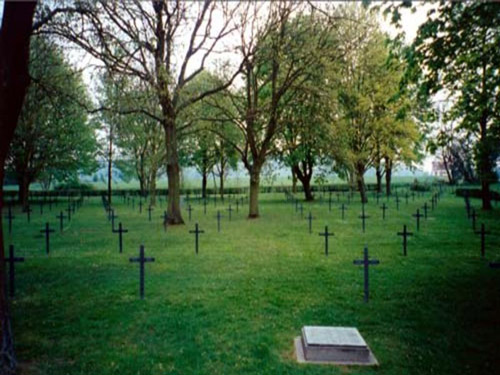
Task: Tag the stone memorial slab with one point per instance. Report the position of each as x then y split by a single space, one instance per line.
333 345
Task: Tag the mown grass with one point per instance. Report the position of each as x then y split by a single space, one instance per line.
236 307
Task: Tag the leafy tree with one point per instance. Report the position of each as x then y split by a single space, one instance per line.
53 138
456 52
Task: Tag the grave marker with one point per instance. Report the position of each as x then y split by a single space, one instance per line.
417 216
141 260
197 234
12 261
165 220
343 208
383 208
326 235
363 217
120 231
405 234
10 217
229 209
366 262
474 216
483 232
47 232
149 212
425 210
61 218
310 218
189 209
113 217
68 210
28 211
218 221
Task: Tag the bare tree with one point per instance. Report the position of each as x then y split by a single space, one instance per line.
166 44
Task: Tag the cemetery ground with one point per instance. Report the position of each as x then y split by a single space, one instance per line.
236 306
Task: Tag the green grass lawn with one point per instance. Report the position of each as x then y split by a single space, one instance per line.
236 307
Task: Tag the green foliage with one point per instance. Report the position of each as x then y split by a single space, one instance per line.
54 138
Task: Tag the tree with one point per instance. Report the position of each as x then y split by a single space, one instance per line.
54 137
139 139
456 52
15 33
277 55
165 45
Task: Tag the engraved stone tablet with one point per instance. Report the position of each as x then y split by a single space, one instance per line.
336 345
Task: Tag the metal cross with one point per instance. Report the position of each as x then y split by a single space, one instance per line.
196 232
230 210
28 211
343 208
417 216
425 210
218 221
310 218
383 208
149 212
141 259
12 260
113 217
190 209
326 235
68 210
474 216
483 232
366 262
397 200
47 232
120 231
204 206
165 220
405 234
301 211
10 217
61 218
363 217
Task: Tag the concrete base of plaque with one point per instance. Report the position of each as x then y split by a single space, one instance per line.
333 345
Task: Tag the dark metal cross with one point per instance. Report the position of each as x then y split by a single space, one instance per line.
113 217
474 216
383 208
196 232
326 235
204 206
237 205
363 217
366 262
397 200
149 212
141 259
405 234
140 207
483 232
406 198
189 209
230 210
61 218
218 221
378 197
301 211
425 210
165 220
10 217
343 208
417 216
330 203
120 231
28 211
68 210
41 208
12 260
310 218
47 232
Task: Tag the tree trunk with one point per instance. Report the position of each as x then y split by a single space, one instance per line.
221 186
173 173
378 173
15 35
204 184
484 164
305 180
152 188
254 193
388 175
24 190
451 181
294 181
110 162
360 180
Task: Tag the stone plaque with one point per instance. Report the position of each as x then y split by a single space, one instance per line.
333 345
